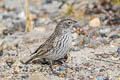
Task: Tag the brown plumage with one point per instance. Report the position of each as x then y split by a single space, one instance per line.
57 45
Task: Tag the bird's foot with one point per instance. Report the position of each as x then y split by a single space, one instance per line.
61 60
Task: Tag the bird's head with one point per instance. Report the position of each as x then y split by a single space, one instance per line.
67 25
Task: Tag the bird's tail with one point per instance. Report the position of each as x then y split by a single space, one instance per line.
27 59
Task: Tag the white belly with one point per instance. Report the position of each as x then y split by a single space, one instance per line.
62 47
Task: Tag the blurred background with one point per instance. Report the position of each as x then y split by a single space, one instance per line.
26 15
25 24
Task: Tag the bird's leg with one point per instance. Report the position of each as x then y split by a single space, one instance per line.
51 67
51 63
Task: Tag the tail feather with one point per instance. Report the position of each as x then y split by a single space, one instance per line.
27 59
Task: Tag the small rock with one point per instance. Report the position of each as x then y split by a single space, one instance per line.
105 55
1 51
101 70
26 69
94 22
103 35
22 16
118 51
72 79
48 1
24 76
8 31
20 67
78 69
114 58
114 36
92 78
105 30
68 70
99 78
107 78
5 16
61 75
62 68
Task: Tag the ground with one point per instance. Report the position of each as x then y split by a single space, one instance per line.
95 48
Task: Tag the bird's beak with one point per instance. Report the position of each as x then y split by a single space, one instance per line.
76 25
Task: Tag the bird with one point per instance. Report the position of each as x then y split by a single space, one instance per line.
58 45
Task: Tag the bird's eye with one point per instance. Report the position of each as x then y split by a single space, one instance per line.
69 22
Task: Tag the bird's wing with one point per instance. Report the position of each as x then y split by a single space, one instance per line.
44 48
48 45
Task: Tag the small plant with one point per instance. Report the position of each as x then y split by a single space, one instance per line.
28 17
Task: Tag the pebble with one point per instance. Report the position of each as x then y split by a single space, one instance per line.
8 31
20 67
114 36
62 68
26 69
106 30
101 70
77 69
1 51
24 76
48 1
103 35
95 22
5 16
100 78
118 51
22 16
107 78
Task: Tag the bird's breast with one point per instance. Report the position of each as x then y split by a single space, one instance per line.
62 45
65 40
